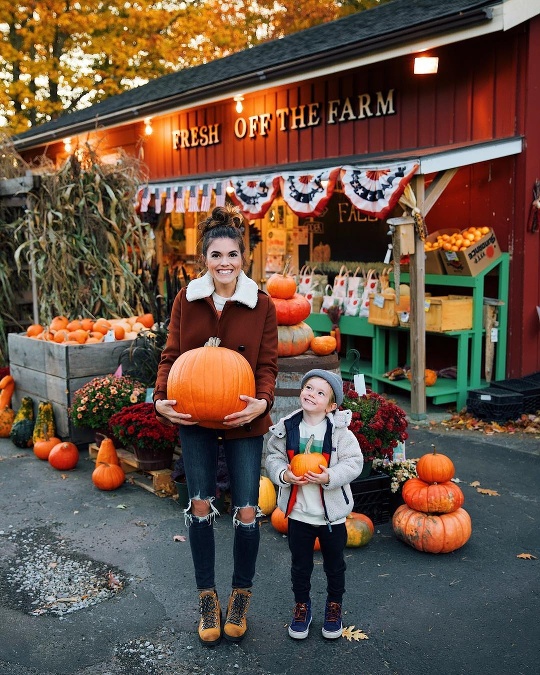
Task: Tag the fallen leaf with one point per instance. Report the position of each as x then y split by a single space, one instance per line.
63 476
140 523
526 556
456 480
485 491
350 634
113 582
475 483
121 506
179 537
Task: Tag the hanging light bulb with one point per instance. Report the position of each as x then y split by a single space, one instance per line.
67 144
239 104
148 130
426 65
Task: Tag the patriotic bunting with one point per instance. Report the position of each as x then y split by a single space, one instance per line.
193 204
220 190
169 199
206 197
145 201
255 195
308 193
376 191
180 204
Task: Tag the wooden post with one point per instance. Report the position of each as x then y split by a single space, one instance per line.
417 268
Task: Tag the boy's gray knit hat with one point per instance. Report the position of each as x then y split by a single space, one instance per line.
333 380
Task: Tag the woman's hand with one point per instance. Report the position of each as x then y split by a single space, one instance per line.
254 408
165 409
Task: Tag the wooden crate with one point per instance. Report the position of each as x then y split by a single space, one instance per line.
47 371
382 310
449 312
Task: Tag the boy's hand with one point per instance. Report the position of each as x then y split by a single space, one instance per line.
318 478
290 477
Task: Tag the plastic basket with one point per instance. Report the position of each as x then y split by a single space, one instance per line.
529 389
371 496
495 405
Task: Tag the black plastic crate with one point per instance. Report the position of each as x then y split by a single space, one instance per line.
495 405
529 389
372 496
533 377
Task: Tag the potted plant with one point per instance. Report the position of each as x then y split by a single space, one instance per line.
137 428
377 422
95 402
399 470
140 359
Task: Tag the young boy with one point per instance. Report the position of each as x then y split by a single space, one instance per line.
316 503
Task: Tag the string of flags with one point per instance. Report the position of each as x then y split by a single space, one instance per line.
372 190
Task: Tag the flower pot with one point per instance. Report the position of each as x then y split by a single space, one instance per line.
150 459
366 469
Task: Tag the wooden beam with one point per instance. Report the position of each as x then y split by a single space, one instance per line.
435 190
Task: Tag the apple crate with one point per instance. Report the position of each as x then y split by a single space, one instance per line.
449 312
382 310
371 496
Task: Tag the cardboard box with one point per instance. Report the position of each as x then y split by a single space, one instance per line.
434 264
47 371
474 259
382 310
449 312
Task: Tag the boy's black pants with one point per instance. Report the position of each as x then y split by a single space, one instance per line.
301 538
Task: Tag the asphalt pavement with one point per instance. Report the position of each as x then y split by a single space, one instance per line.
474 610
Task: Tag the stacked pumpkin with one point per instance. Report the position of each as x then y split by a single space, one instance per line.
294 334
432 519
87 331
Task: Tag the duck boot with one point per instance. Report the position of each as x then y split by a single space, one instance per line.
210 623
235 624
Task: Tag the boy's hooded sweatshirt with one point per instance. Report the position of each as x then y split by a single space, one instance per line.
342 453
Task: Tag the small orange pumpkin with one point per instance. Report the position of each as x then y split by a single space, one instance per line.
147 321
294 340
322 345
430 377
34 330
64 456
43 447
279 520
281 284
435 468
306 461
108 476
360 530
432 497
292 311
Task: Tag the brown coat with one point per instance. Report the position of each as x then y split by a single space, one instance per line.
247 324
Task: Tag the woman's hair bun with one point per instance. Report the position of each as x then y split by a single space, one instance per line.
223 216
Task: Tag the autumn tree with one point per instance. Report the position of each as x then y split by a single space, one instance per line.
57 55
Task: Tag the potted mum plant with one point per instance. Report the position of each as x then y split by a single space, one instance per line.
137 428
95 402
377 422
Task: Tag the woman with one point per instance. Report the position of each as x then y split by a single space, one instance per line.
223 303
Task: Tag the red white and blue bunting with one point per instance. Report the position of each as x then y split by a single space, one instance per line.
307 194
254 195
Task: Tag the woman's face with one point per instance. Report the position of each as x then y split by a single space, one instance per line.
224 262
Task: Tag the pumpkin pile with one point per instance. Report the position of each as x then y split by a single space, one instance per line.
432 519
108 474
87 331
294 334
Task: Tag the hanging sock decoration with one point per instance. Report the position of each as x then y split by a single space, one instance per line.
377 191
307 194
254 195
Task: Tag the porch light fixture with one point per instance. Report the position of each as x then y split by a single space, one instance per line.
239 104
426 65
148 126
67 144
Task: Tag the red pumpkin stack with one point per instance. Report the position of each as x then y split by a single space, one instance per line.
432 519
294 335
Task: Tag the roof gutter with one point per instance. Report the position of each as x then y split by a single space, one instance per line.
269 75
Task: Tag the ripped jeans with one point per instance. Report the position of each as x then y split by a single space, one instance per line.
243 456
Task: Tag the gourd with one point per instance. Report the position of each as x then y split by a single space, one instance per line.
44 426
360 530
108 476
432 533
206 383
282 284
432 498
294 340
107 453
23 424
430 377
7 415
435 468
64 456
323 345
42 448
267 495
279 520
292 311
306 461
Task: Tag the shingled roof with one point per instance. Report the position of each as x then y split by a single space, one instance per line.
362 33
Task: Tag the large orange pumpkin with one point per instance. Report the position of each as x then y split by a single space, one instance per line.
435 468
294 340
206 383
323 345
108 476
292 311
267 495
432 533
281 284
360 530
432 497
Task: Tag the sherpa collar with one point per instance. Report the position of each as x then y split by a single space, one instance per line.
246 291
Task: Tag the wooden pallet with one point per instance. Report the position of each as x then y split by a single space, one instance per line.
158 482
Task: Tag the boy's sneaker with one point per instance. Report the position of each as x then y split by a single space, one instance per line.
332 628
299 627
